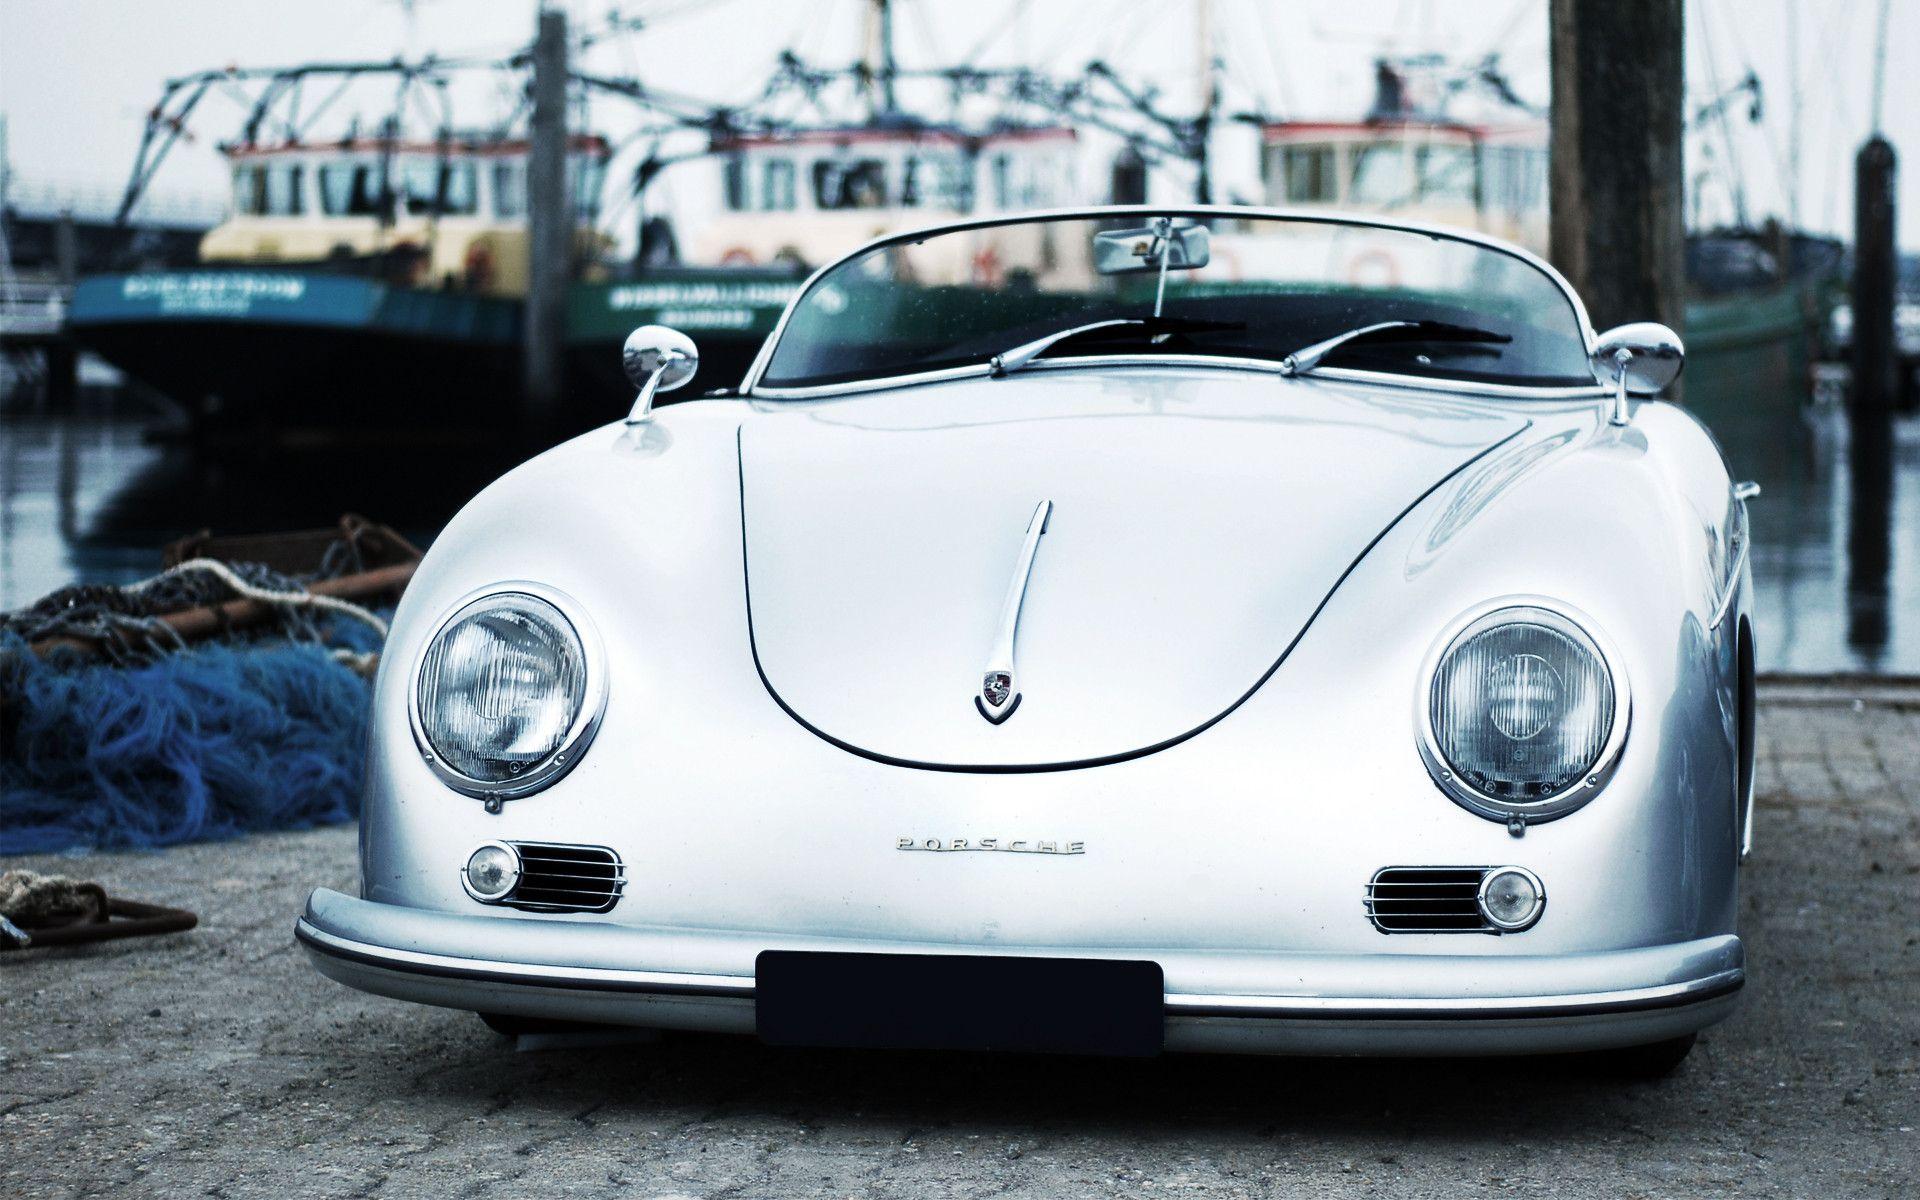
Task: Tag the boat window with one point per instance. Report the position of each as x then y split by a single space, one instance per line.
430 186
1497 176
458 190
850 183
1534 189
249 189
510 188
1516 179
1447 174
1023 182
284 184
938 180
776 185
1309 175
589 172
735 178
416 184
953 299
1378 174
350 189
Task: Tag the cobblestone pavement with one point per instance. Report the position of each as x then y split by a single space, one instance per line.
218 1063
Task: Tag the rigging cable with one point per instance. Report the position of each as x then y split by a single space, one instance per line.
1839 117
1780 172
1732 165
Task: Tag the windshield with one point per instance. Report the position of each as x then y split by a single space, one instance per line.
1269 286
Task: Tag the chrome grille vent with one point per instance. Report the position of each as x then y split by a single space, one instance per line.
1427 900
556 878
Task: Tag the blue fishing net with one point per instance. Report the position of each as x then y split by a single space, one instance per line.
206 742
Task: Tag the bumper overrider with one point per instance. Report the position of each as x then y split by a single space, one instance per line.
1258 1001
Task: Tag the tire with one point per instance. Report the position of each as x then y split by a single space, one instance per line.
1656 1060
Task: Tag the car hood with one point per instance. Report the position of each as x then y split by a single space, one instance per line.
1200 519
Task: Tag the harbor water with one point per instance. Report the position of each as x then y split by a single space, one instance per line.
90 497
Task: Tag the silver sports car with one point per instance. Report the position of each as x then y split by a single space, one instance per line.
1111 630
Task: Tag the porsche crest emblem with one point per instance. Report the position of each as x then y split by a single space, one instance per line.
996 687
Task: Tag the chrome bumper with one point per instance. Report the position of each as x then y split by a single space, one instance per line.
1389 1004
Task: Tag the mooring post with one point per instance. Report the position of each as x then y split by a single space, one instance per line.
549 231
1874 267
1871 396
1616 221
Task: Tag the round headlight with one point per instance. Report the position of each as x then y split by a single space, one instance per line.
501 698
1522 711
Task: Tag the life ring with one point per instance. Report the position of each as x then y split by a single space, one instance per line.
986 267
738 256
1377 262
477 267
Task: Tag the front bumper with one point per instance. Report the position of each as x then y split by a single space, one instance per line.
1254 1002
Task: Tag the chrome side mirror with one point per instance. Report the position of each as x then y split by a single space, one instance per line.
1638 360
657 359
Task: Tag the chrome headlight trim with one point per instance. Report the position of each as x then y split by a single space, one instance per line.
579 734
466 879
1597 773
1533 914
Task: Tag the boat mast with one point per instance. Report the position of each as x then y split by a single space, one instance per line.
1793 117
880 65
1206 99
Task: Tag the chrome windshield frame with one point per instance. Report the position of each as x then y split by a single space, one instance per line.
751 387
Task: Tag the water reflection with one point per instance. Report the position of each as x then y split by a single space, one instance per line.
1836 576
1869 460
91 498
1835 558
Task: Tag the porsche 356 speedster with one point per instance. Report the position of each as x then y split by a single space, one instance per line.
1110 630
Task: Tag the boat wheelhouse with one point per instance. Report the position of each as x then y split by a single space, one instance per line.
1491 178
806 198
449 213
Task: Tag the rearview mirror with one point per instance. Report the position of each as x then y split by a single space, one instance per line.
1638 360
1129 251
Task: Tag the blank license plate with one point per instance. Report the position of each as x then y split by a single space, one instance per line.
959 1002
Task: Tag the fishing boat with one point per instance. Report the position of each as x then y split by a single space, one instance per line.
1758 299
793 202
380 280
349 273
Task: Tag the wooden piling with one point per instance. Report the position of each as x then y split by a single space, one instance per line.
549 231
1875 266
1871 398
1616 215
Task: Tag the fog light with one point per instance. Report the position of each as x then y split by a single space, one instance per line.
492 872
1511 898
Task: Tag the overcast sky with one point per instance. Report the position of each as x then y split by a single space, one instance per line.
77 76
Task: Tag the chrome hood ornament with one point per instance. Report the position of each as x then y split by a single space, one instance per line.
999 694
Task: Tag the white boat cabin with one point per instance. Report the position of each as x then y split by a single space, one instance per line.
1488 178
808 197
447 213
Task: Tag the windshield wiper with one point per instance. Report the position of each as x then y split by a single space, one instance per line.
1307 358
1008 361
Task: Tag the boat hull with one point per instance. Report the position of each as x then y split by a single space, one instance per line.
305 349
